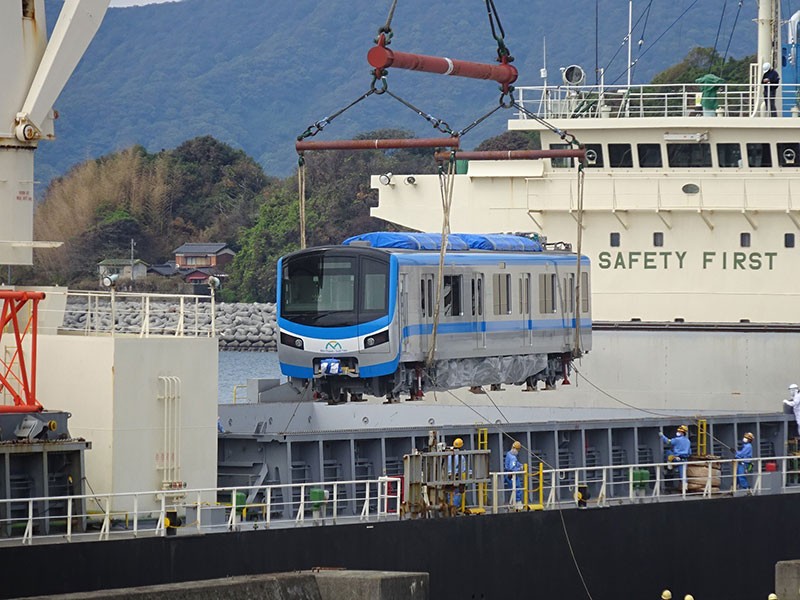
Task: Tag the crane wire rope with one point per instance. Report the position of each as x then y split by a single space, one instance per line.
577 351
658 39
446 184
301 194
711 60
541 459
733 30
640 42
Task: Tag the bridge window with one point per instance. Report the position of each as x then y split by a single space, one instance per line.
788 240
689 155
28 9
658 239
744 240
729 155
649 156
759 155
561 163
547 293
789 155
620 155
594 155
502 293
452 295
614 241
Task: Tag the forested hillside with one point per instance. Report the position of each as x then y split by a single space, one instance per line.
255 73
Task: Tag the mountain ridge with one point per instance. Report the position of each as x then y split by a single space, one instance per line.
256 74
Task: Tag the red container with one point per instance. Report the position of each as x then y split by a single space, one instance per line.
770 467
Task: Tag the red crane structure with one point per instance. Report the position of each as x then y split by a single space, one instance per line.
20 318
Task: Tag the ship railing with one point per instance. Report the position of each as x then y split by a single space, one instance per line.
93 517
655 100
94 313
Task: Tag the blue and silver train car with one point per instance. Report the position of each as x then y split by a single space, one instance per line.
359 318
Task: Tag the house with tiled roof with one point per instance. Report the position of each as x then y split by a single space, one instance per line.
124 267
214 256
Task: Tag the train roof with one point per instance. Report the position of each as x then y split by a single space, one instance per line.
497 242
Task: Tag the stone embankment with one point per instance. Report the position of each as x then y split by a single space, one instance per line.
238 326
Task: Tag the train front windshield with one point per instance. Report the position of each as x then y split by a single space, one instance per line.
324 289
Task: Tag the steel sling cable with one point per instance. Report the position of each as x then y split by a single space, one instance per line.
716 38
301 194
733 29
581 175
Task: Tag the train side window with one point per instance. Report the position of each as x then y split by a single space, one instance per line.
569 293
452 295
547 293
759 155
480 295
431 308
788 240
729 155
502 293
422 302
584 292
525 294
649 156
620 155
474 297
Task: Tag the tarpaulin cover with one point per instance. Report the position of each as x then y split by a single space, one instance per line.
408 241
499 241
465 372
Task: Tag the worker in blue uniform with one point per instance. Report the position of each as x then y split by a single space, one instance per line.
513 465
680 448
743 466
456 468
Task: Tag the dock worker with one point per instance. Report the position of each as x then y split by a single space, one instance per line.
744 466
512 465
456 467
794 402
770 79
680 446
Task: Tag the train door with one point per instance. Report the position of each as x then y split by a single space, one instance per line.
478 320
525 308
426 310
567 306
403 310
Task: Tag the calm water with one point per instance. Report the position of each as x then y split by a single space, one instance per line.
237 367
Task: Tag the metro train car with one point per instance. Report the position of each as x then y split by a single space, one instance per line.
359 318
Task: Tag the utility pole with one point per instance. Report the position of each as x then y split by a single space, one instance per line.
133 245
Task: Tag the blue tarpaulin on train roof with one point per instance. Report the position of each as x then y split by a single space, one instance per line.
409 241
499 241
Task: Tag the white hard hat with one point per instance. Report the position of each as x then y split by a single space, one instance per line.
766 67
793 386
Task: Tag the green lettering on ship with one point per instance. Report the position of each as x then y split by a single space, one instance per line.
681 259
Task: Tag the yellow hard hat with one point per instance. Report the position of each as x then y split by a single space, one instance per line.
516 445
666 595
683 429
772 597
458 443
749 436
688 597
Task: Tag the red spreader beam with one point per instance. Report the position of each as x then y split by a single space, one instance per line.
514 154
382 57
447 142
20 318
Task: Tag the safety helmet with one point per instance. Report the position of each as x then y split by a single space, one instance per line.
749 436
772 597
516 445
688 597
458 443
666 595
766 67
683 429
793 386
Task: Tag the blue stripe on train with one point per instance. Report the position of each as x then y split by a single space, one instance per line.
494 326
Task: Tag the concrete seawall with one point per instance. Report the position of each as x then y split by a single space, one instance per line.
316 585
239 326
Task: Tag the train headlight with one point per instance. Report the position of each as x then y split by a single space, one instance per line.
290 340
376 339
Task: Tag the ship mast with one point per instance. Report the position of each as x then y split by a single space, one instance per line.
769 33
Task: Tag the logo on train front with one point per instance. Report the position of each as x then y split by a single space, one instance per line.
333 346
